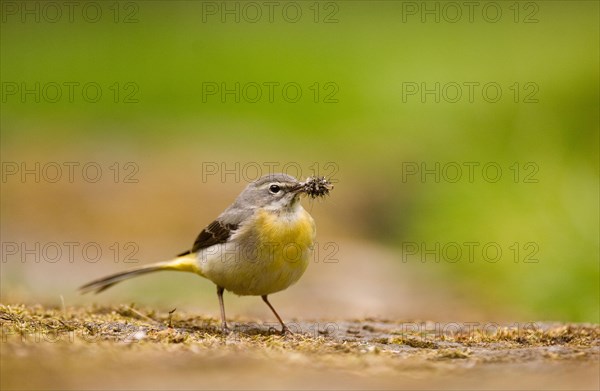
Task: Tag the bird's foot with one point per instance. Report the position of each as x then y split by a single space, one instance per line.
225 330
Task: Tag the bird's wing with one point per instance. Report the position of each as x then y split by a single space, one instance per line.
216 232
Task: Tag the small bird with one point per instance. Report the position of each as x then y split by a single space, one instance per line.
260 244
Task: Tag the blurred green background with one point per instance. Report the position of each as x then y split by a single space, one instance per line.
373 131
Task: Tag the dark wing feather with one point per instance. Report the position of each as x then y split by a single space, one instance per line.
216 232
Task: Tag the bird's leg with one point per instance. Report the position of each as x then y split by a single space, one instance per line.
224 327
284 328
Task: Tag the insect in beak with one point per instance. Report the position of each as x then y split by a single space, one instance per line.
315 187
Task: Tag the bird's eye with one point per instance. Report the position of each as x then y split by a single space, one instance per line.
274 189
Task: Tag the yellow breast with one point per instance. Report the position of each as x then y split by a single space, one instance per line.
272 252
285 232
287 240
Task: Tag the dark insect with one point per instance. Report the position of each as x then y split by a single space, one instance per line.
317 187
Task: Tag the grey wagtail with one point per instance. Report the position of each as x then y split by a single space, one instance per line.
260 244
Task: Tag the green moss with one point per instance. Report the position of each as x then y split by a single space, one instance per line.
104 329
415 343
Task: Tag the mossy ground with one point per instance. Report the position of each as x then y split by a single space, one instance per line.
125 346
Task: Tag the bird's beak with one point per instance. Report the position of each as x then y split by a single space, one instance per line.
299 188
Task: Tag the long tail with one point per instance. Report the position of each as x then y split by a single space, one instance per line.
183 263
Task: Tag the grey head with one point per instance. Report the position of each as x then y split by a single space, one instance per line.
277 192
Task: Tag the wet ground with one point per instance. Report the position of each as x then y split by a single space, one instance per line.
126 347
